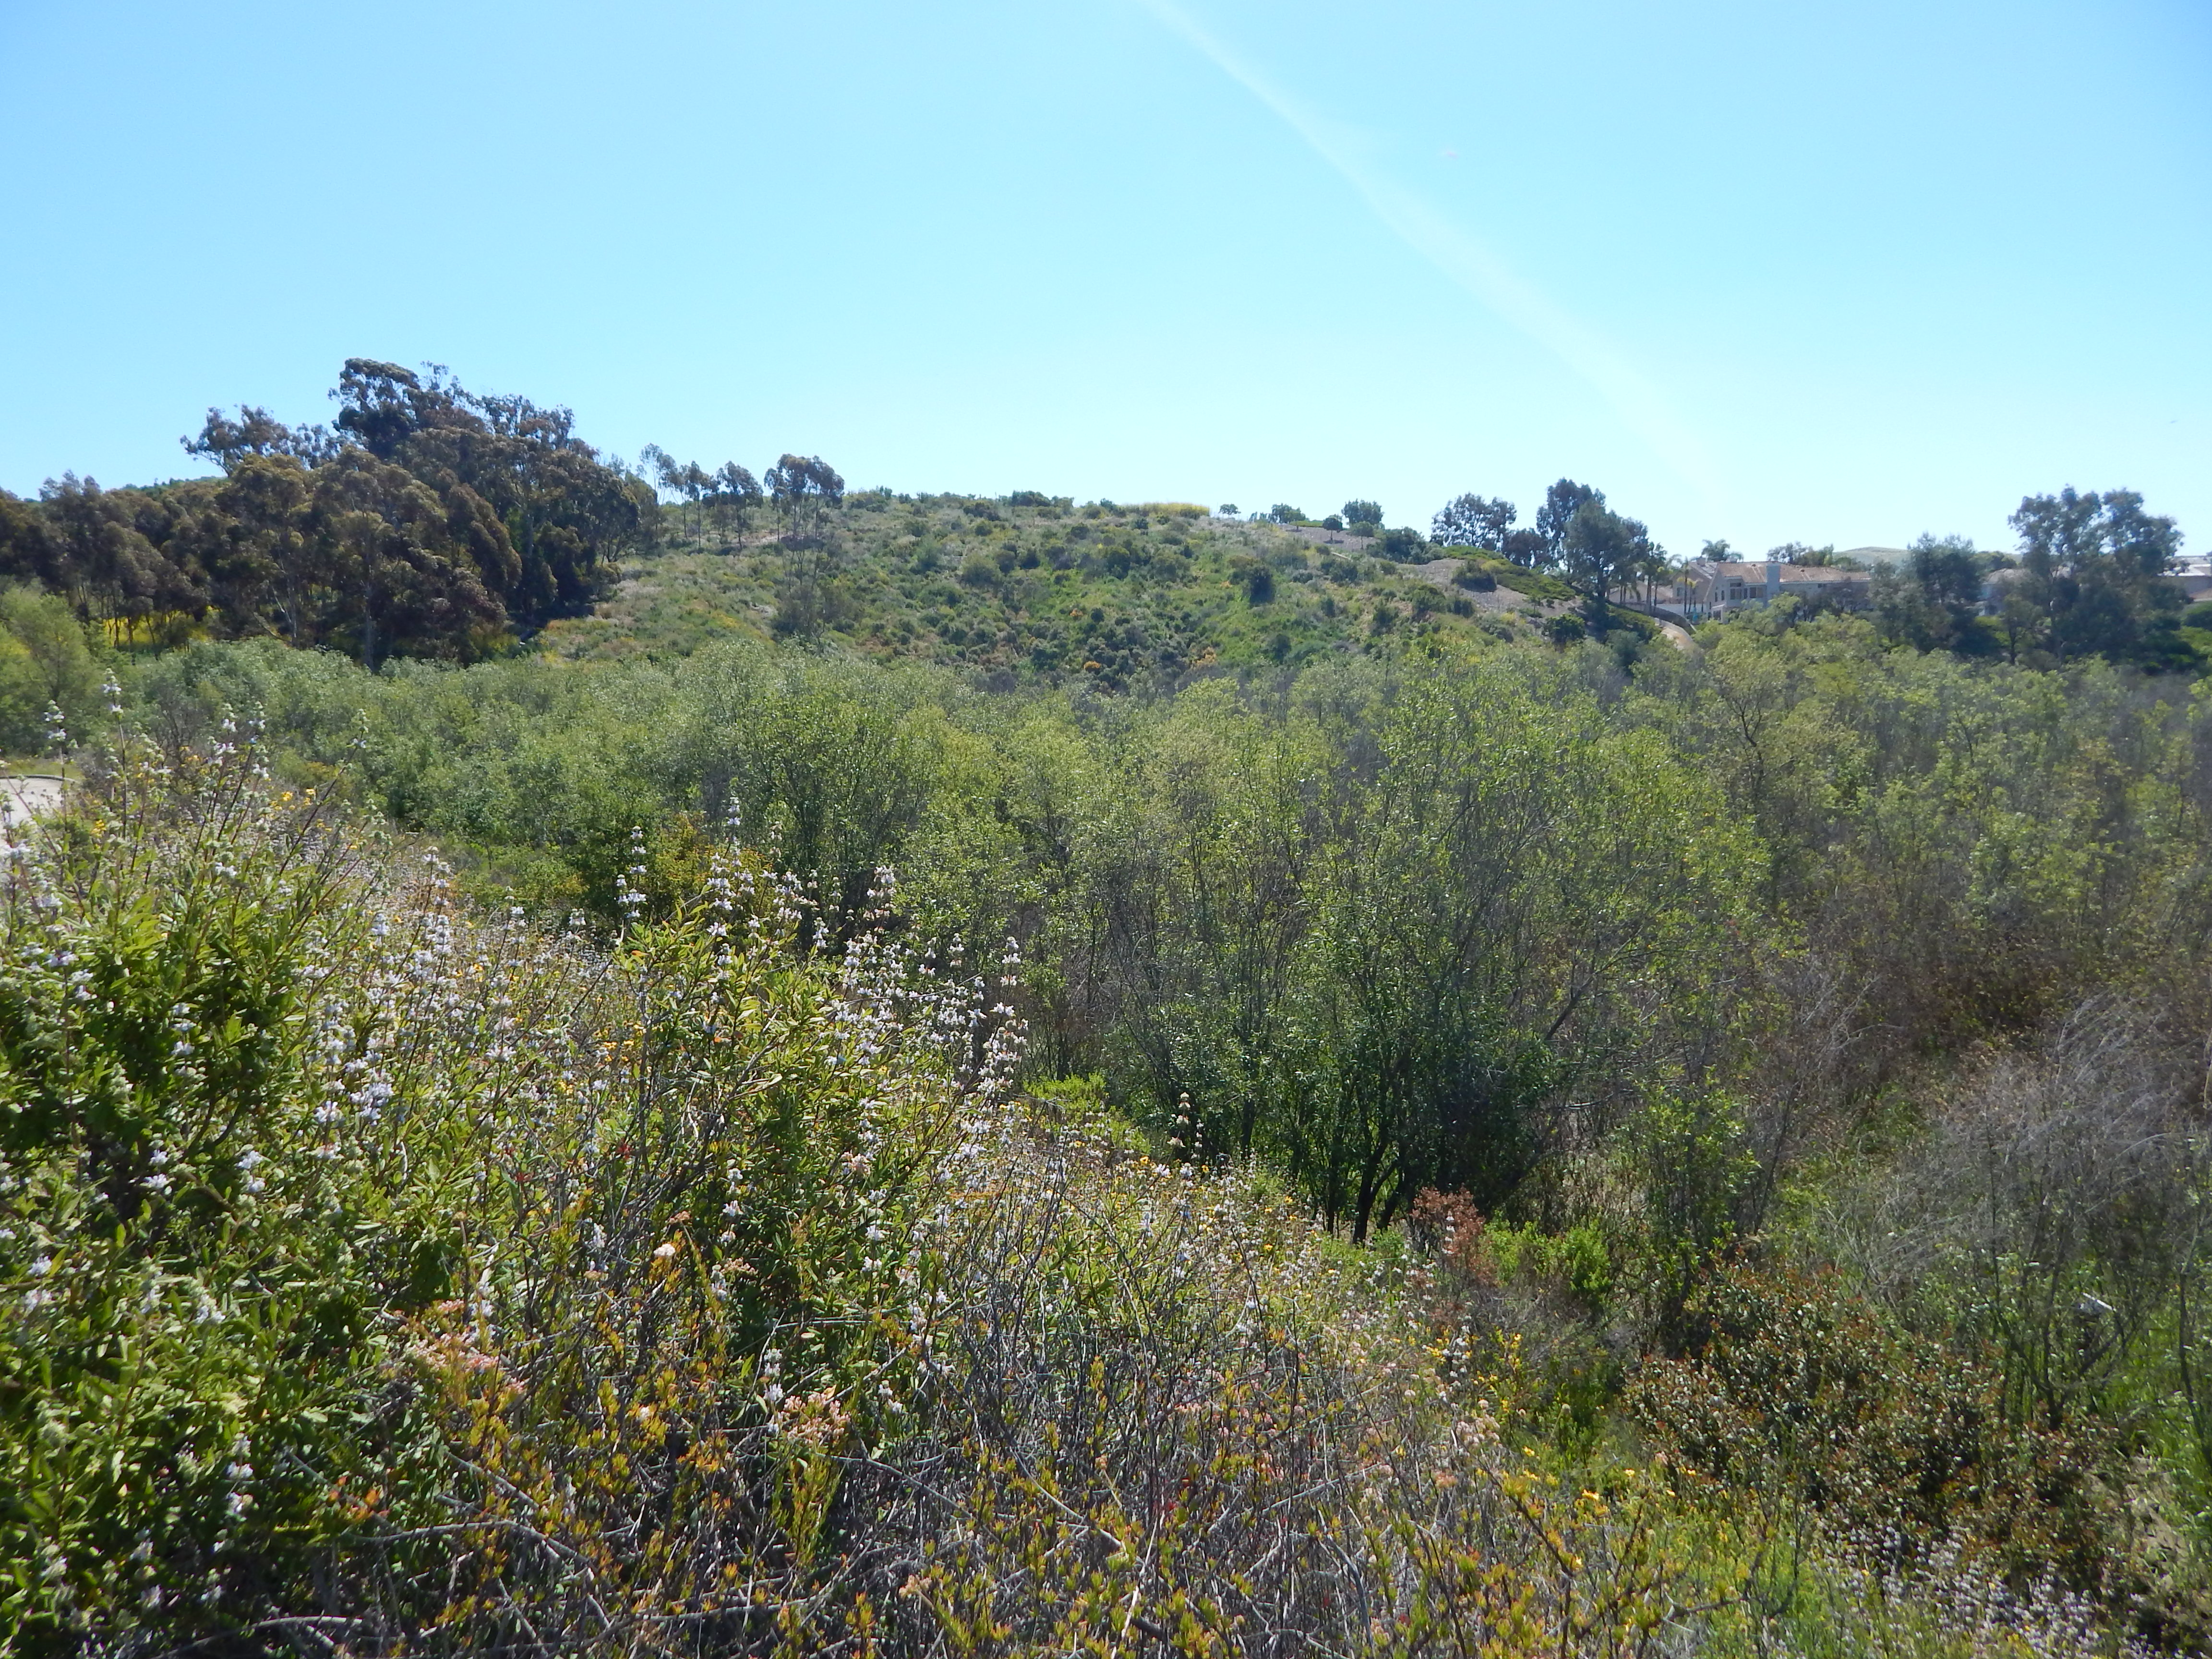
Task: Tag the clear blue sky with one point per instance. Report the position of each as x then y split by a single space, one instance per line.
1834 272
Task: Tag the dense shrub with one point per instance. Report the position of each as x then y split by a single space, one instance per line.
379 1271
382 1276
50 676
385 1277
1903 1445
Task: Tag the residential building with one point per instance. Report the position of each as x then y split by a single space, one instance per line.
1715 587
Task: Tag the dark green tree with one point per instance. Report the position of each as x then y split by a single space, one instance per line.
1474 521
27 552
105 561
1932 601
1601 551
2092 579
265 559
228 442
1523 547
406 583
1561 502
565 515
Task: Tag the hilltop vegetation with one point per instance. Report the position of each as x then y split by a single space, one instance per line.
436 523
943 1076
1022 593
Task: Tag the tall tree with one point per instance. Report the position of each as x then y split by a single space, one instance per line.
228 442
685 479
1523 547
2091 576
804 486
27 552
1601 551
737 493
1930 602
1474 521
1561 502
271 561
105 561
407 583
697 483
564 513
482 498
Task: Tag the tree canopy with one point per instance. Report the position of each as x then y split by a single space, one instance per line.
1473 521
1561 502
1602 551
803 486
427 520
2089 582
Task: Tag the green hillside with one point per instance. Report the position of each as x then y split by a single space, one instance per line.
1114 596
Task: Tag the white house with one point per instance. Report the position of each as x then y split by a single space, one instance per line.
1712 588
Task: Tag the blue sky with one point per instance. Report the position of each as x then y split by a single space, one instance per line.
1826 272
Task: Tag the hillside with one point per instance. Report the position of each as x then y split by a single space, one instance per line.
432 523
1043 592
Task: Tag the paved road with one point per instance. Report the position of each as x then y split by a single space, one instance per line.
1677 635
24 798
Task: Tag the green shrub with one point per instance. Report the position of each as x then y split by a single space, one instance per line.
1796 1386
46 666
383 1270
367 1258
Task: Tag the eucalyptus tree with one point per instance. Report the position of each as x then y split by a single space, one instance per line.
104 556
687 480
544 516
736 493
804 488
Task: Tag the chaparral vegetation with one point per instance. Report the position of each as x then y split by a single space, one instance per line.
639 1060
